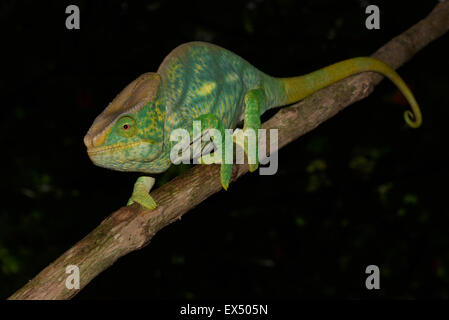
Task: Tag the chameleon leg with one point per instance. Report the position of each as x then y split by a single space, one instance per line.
254 103
141 194
211 121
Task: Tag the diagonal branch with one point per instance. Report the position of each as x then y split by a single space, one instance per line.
131 228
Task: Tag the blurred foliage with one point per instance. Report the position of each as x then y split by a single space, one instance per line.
361 189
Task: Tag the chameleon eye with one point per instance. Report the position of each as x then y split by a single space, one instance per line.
127 126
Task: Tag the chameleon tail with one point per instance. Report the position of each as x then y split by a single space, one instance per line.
297 88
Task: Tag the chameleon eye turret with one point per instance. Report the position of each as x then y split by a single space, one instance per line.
126 126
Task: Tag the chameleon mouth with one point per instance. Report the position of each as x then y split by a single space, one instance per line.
99 150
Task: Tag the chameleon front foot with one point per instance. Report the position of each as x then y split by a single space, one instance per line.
141 194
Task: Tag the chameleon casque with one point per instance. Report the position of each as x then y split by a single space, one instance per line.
202 81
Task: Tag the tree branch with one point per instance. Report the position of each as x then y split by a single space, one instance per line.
131 228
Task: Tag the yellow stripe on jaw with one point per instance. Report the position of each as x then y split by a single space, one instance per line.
99 150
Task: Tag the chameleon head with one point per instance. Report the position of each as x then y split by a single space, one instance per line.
129 132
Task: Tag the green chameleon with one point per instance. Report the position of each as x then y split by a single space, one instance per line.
202 81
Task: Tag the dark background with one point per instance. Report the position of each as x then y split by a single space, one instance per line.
361 189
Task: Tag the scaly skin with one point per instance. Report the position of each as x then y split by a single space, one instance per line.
201 81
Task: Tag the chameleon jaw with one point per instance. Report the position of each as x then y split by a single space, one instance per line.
105 149
130 157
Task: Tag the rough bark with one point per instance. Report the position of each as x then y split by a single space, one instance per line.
131 228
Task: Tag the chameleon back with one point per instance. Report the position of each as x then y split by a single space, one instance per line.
200 78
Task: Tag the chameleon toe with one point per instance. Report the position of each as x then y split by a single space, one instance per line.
141 194
225 175
145 200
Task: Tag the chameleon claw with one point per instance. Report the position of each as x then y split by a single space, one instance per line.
253 167
141 194
225 175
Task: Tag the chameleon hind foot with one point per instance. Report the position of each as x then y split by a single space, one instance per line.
141 194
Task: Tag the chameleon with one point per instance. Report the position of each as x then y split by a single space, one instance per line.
202 81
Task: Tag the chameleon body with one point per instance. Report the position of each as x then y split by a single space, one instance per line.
202 81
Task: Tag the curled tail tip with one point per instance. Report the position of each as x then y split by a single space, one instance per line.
413 120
